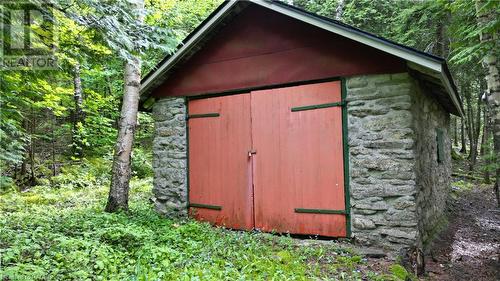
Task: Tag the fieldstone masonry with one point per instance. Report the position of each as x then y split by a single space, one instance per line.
433 178
398 190
170 157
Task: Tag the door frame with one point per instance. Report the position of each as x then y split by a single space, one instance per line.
345 142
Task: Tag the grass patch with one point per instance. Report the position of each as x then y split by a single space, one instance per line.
63 234
459 187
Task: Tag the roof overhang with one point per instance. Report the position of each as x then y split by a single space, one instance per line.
424 63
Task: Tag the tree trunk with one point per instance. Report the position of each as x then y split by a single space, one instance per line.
438 48
485 136
485 147
78 114
463 148
31 151
493 82
21 177
476 128
78 95
53 142
339 10
119 190
109 86
455 132
470 131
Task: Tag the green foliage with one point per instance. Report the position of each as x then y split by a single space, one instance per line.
142 163
421 25
459 187
378 17
89 174
11 143
63 234
490 160
7 184
468 48
37 116
399 272
462 185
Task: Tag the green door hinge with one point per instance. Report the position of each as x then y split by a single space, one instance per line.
205 206
205 115
317 106
321 211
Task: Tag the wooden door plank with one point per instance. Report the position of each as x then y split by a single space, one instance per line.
219 140
299 164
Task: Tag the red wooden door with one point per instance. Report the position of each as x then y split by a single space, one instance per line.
220 188
298 168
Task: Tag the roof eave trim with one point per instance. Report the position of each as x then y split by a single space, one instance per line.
451 90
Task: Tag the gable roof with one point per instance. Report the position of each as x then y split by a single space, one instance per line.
430 69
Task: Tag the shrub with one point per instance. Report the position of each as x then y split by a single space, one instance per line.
89 173
141 163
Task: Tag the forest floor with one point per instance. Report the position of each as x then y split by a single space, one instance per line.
469 249
49 233
63 234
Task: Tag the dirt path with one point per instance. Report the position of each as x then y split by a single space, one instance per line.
470 248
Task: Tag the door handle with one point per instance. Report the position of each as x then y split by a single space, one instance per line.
252 152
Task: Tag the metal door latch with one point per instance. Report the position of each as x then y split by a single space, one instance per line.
252 152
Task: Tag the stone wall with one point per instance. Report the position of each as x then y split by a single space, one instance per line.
382 160
398 189
170 157
433 178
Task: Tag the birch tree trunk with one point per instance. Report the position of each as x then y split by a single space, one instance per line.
485 136
492 96
485 147
121 171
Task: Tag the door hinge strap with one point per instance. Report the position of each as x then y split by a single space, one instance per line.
205 115
321 211
318 106
205 206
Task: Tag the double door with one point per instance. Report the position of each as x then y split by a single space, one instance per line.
270 160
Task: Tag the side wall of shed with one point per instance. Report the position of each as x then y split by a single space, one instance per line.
398 187
433 176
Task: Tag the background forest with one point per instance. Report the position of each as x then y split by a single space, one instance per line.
58 130
59 126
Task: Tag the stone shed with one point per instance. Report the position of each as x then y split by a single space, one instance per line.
272 118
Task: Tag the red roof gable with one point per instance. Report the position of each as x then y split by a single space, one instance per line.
261 47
